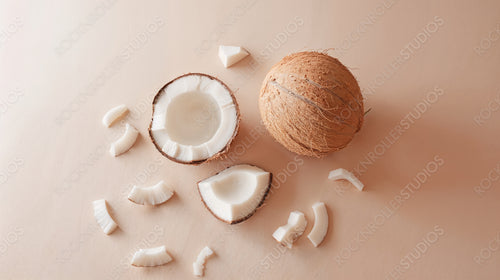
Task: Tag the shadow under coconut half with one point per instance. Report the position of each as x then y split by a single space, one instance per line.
195 119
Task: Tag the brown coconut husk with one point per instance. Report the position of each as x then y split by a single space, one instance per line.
311 104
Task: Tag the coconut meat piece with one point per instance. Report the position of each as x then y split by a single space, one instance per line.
125 142
194 118
154 195
102 216
342 174
151 257
230 55
294 228
320 226
199 264
234 194
114 114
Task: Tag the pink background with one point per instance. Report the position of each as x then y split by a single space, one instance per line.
65 63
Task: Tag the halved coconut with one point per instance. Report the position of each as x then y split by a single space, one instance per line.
234 194
195 118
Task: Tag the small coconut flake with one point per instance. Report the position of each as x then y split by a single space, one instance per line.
320 227
342 174
153 195
151 257
103 218
114 114
199 264
125 142
230 55
290 232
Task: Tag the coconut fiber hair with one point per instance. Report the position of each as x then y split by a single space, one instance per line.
311 104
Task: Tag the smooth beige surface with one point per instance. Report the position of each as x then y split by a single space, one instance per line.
65 63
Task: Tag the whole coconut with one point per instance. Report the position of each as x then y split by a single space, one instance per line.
311 104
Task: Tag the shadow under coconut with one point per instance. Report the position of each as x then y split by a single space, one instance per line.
427 137
439 155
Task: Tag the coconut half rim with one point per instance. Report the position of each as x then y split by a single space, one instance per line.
195 119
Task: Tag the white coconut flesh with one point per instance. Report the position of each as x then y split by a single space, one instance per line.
287 234
199 264
320 226
125 142
151 257
230 55
342 174
234 194
114 114
194 118
102 216
154 195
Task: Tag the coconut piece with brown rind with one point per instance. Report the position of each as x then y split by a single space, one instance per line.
234 194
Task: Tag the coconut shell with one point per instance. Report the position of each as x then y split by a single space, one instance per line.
311 104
